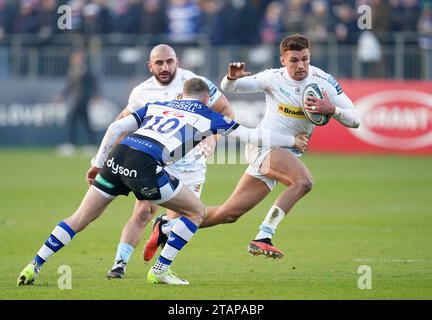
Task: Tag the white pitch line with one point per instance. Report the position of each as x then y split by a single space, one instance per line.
394 260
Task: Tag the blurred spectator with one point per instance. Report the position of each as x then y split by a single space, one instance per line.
243 24
96 18
7 14
77 18
153 17
381 17
294 16
425 40
347 32
346 28
410 15
184 18
271 24
317 26
81 88
396 15
215 21
126 17
26 21
47 19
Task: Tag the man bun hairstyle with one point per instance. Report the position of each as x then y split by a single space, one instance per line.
295 42
195 87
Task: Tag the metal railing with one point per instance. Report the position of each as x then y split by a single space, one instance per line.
123 56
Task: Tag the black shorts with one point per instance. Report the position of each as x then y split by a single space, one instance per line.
129 170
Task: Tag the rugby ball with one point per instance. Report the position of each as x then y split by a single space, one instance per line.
313 90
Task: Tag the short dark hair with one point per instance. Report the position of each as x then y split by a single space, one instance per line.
195 86
295 42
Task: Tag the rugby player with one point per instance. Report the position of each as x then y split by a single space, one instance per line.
283 88
165 84
162 133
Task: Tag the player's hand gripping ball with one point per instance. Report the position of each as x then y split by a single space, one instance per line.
313 90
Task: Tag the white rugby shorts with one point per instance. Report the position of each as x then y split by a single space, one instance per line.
255 156
194 180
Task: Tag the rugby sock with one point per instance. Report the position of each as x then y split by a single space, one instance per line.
270 223
59 237
124 252
167 226
180 234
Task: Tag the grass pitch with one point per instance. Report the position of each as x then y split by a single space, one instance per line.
363 210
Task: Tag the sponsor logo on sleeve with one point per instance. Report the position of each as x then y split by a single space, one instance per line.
335 84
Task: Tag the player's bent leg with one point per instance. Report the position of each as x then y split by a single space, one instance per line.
162 225
284 167
157 238
248 193
192 212
134 228
131 235
92 206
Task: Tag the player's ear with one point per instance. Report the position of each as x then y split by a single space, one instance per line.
149 66
282 61
206 99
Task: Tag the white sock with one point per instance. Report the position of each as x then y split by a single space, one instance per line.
167 226
59 237
180 235
270 223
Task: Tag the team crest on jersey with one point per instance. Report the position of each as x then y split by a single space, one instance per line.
291 111
297 90
178 96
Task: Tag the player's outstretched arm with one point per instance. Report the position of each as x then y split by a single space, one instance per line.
125 112
239 80
264 137
93 171
115 129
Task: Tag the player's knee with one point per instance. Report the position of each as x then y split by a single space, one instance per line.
198 214
142 214
231 215
202 212
305 185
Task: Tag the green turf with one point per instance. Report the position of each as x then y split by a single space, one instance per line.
363 210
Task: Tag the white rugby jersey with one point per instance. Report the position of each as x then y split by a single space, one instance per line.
151 91
283 96
168 130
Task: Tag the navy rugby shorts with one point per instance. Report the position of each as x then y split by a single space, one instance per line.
128 169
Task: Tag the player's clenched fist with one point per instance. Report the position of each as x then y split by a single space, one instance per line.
236 70
301 142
